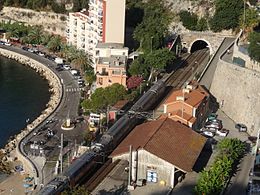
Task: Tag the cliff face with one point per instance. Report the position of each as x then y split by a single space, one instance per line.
51 22
239 89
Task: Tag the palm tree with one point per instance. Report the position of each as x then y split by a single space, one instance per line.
45 39
35 35
81 60
55 43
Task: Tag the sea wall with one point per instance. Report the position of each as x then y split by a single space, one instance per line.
55 87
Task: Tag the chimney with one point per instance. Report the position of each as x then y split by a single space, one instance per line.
180 98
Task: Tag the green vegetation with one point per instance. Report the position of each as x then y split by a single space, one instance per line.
251 20
226 15
214 180
254 46
79 5
36 4
192 22
151 33
54 43
103 97
152 63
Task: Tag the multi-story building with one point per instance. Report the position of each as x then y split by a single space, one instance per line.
103 22
110 61
189 106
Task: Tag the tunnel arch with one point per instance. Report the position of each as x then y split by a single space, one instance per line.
200 43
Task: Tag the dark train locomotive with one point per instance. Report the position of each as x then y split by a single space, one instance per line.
83 167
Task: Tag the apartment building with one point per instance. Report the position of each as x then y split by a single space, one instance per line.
189 106
110 62
104 21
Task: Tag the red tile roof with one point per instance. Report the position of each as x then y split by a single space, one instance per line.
168 140
192 98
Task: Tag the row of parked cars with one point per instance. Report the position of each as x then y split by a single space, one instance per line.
213 126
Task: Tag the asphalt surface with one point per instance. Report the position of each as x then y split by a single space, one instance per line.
67 108
207 78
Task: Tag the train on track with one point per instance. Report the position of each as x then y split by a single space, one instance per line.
83 168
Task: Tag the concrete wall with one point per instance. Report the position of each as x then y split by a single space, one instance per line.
249 63
115 21
239 88
148 161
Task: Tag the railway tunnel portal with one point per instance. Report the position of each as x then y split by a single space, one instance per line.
194 40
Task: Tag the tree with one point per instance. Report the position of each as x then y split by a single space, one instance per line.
254 46
81 60
158 60
35 35
55 43
189 20
103 97
76 6
202 24
138 67
134 82
151 31
226 15
250 21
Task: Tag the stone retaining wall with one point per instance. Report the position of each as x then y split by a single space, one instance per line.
55 87
241 97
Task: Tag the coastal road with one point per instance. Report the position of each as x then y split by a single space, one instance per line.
67 108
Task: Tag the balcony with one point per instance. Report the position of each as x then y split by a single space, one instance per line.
103 73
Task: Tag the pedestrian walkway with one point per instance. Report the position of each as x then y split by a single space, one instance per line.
74 89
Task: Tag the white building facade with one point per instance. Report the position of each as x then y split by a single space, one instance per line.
104 21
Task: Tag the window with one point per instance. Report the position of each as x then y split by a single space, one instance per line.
116 72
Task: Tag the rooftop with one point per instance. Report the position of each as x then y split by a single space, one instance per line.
193 94
113 60
111 45
161 138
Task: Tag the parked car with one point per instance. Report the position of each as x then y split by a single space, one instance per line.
208 134
2 42
253 139
212 116
241 127
223 132
8 44
24 48
216 126
66 67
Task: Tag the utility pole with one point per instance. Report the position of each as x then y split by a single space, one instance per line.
130 187
244 15
61 154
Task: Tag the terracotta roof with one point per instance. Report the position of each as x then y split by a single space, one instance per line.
193 98
185 115
168 140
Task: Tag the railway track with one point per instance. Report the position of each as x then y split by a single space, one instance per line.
180 76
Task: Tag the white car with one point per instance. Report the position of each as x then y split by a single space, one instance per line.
66 67
222 133
208 134
7 44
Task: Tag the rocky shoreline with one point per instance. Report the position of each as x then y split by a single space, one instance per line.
10 152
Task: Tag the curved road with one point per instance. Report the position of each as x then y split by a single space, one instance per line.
68 107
